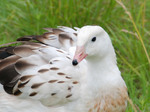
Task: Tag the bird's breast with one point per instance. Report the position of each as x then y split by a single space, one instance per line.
115 101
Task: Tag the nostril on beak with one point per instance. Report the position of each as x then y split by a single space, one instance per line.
74 62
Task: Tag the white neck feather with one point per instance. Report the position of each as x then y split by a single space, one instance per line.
103 74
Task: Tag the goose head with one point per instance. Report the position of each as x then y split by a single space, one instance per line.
92 43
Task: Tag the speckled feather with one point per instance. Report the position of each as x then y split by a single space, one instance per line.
41 73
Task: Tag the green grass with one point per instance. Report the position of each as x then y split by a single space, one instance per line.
28 17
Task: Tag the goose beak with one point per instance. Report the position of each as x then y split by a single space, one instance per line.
79 55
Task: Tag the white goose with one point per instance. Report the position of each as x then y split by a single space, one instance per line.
53 75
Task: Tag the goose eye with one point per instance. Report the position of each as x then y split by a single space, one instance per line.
93 39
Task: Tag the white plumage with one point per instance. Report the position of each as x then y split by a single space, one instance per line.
66 71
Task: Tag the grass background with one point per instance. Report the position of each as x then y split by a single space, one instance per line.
28 17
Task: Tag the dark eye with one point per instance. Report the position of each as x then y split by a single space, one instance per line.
93 39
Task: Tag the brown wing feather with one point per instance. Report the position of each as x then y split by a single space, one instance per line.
10 49
8 61
14 60
4 52
8 78
23 51
54 37
26 38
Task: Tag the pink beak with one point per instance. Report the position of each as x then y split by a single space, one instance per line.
79 55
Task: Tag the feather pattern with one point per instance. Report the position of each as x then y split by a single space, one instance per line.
40 72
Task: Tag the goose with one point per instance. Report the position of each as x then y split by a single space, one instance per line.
63 70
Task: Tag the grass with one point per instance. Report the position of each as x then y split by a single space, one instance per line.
127 26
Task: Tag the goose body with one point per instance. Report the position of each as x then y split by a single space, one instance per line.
65 70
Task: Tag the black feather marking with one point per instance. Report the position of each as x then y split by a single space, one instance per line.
69 88
6 52
8 78
52 81
60 73
8 61
33 94
22 64
21 85
10 49
68 77
7 74
43 70
75 82
24 78
68 95
4 55
60 81
37 85
17 92
53 94
54 68
25 38
9 90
